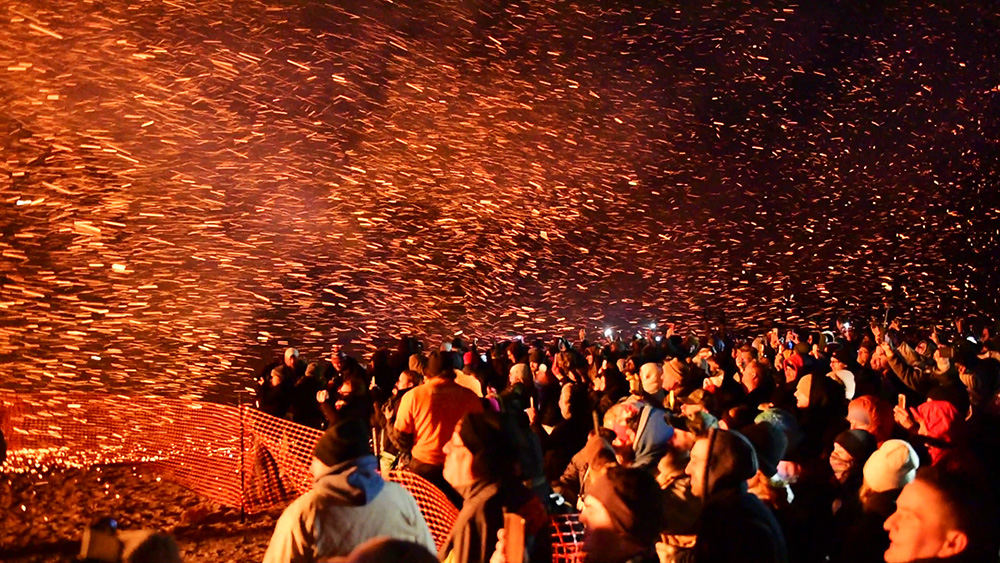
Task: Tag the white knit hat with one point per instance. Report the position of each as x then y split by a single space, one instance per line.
845 378
891 467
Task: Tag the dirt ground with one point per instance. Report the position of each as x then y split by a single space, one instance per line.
42 516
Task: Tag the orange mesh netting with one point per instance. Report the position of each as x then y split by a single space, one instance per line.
567 538
436 508
234 455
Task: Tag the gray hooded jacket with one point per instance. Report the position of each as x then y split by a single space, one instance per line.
345 507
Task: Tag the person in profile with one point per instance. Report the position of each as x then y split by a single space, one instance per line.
481 463
944 514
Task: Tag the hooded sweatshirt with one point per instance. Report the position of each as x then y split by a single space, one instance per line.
735 525
652 436
346 506
942 424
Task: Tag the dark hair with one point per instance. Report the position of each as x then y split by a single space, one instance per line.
579 400
416 378
440 364
971 502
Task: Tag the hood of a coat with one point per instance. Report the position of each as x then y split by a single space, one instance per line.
731 461
355 482
940 419
652 437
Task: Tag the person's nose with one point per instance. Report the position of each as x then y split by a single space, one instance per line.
889 522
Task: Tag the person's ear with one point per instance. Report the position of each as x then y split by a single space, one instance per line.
955 542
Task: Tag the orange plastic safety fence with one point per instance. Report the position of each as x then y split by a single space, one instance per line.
236 456
567 538
277 454
438 511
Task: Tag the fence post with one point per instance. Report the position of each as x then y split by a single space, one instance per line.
243 492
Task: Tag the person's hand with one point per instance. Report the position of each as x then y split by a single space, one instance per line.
877 331
886 349
904 418
500 552
322 395
530 411
774 341
789 471
671 328
582 334
598 383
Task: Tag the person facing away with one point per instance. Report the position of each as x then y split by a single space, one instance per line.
348 504
427 417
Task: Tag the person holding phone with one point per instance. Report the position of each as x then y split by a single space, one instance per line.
481 464
622 519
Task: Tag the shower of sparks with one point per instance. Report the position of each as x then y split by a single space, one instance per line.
189 184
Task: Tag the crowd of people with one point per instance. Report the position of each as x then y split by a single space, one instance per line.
867 442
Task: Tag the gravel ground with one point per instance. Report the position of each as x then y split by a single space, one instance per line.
42 516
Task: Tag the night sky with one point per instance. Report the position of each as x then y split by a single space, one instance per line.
187 185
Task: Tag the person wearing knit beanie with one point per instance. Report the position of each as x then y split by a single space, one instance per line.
860 444
650 376
769 443
891 466
480 464
346 488
622 516
344 441
689 427
851 449
785 421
